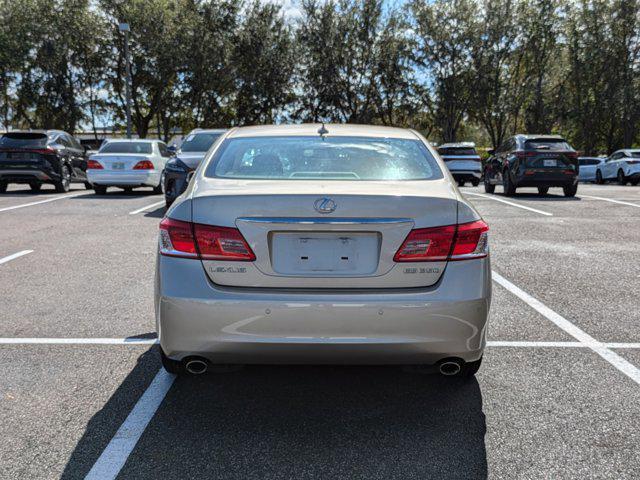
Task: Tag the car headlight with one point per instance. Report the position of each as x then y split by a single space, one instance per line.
176 165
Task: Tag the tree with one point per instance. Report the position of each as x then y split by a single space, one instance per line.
497 63
446 31
263 64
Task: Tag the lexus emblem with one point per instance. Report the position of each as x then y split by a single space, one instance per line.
324 205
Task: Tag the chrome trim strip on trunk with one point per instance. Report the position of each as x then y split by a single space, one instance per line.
325 221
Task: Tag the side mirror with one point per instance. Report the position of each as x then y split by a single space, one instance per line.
491 151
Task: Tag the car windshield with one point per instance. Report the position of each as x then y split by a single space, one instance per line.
198 142
126 147
330 158
547 144
457 151
22 140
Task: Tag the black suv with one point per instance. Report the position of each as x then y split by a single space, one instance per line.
37 157
541 161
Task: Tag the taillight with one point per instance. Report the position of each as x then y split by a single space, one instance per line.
451 242
426 245
207 242
44 151
176 239
143 165
472 241
633 162
222 243
94 165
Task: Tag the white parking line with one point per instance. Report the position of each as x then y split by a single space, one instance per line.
148 207
498 199
583 337
612 200
52 199
524 344
14 256
122 444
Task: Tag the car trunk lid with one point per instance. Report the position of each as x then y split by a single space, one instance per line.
119 161
352 245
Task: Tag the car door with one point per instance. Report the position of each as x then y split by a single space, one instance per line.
609 169
494 164
78 158
163 155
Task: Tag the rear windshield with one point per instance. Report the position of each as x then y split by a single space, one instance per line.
198 142
457 151
126 147
589 161
547 144
330 158
21 140
635 154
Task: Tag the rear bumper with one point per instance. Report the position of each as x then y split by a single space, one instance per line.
546 180
394 326
466 175
150 178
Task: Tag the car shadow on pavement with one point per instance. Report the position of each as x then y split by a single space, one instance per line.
157 213
300 421
549 197
105 423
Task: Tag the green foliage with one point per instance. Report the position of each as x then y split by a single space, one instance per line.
453 69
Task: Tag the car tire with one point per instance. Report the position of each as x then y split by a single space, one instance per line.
570 190
488 186
475 182
599 179
171 366
3 187
507 183
35 186
622 180
127 189
160 188
635 182
461 183
88 186
168 202
543 190
100 189
64 185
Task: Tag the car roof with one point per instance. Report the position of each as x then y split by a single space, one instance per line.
458 145
333 129
544 136
130 140
207 130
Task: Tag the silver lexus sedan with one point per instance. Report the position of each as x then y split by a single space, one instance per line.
325 244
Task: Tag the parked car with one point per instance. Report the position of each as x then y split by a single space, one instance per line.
322 244
42 156
622 166
128 164
188 157
463 162
588 166
541 161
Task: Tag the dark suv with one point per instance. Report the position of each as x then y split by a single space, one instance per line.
541 161
37 157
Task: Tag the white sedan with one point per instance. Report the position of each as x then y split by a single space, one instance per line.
128 164
622 166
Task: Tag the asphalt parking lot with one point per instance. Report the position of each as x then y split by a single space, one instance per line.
82 390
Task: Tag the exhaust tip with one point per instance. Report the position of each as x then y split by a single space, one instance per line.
196 366
450 368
